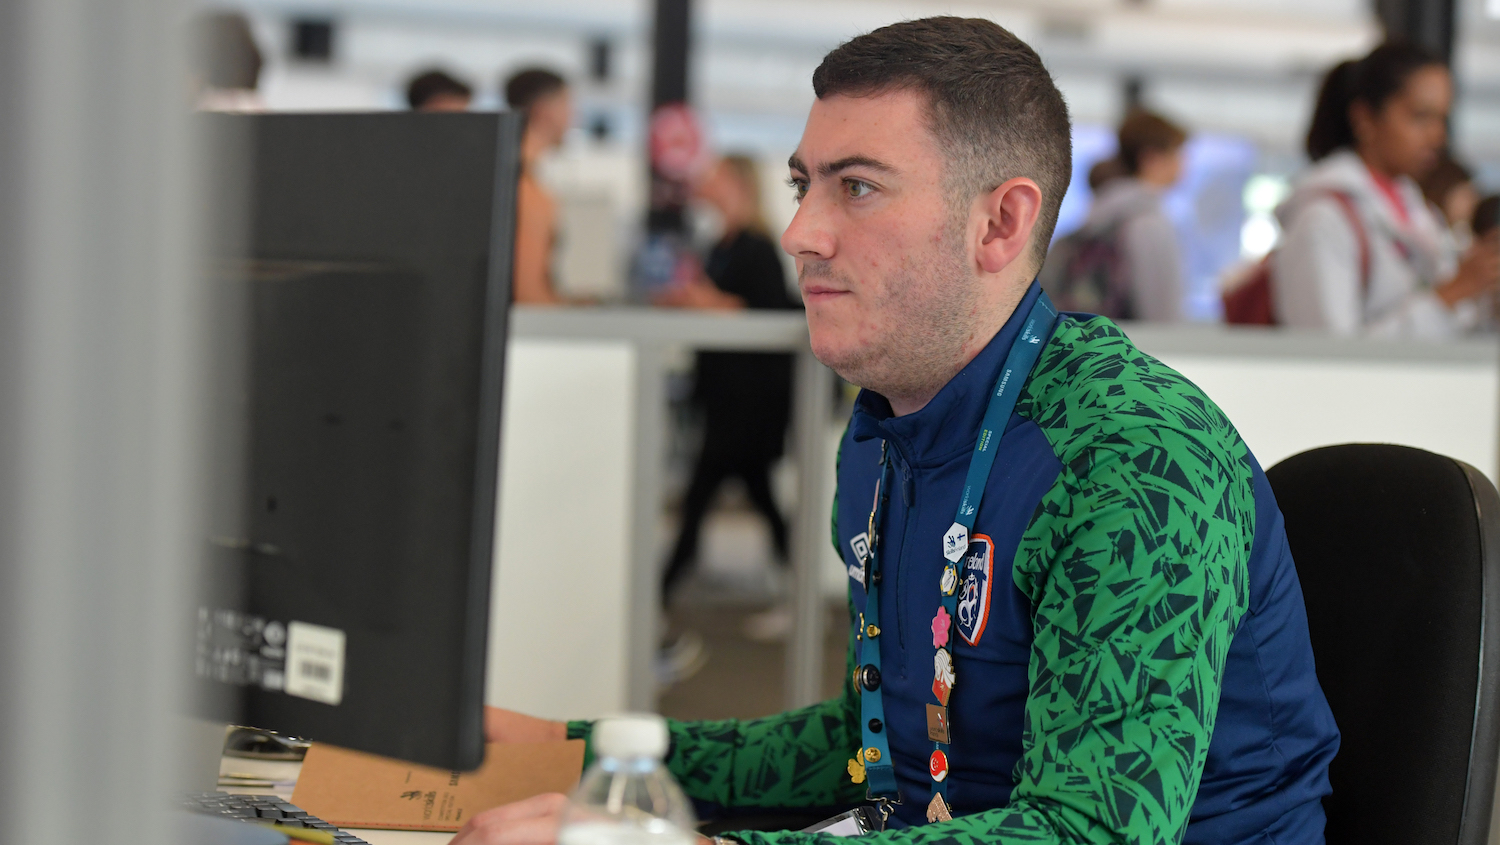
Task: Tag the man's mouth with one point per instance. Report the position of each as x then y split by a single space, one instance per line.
817 292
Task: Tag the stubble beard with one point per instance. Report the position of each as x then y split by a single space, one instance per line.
925 308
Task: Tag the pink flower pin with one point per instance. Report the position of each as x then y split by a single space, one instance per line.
940 625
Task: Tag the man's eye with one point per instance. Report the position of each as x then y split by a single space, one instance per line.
799 189
857 189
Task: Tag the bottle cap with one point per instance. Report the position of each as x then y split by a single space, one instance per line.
631 735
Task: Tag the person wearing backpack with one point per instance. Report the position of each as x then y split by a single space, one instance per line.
1362 251
1124 262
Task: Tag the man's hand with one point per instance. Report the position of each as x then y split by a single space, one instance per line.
510 726
530 822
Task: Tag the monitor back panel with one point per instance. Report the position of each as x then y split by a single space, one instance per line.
350 600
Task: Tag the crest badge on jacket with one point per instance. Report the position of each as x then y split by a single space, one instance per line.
975 569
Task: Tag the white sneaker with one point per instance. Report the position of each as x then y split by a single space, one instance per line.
770 626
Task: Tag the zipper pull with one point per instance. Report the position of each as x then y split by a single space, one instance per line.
908 484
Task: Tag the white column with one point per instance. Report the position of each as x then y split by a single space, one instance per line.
813 405
97 409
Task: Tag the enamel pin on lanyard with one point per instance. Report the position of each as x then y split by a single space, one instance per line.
873 763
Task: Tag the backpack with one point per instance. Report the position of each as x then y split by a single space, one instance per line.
1086 272
1252 300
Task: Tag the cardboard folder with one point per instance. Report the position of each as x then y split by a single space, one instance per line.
353 789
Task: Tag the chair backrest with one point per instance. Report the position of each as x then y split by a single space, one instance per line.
1398 552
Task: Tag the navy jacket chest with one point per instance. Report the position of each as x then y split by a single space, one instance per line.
994 626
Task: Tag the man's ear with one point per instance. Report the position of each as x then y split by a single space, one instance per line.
1006 217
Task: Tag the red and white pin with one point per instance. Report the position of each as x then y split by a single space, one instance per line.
943 678
937 765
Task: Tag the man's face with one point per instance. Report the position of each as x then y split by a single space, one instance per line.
882 263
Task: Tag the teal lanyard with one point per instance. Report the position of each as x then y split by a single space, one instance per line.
876 753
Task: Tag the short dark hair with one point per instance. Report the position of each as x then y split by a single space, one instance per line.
992 105
224 51
434 83
525 87
1143 131
1371 80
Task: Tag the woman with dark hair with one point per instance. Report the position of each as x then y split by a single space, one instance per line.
1363 252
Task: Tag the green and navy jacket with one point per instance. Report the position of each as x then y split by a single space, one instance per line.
1135 666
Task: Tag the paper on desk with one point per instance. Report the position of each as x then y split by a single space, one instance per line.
353 789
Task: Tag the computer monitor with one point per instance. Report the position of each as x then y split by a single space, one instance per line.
347 572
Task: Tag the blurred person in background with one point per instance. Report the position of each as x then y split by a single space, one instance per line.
1485 223
1362 251
1124 263
746 396
1449 188
544 98
436 91
1487 217
226 64
1103 172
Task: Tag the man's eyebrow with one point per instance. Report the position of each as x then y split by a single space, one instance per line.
830 168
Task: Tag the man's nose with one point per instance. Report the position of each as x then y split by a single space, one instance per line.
809 237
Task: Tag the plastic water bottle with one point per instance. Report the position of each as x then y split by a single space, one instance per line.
627 797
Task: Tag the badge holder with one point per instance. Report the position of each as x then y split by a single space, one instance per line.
856 822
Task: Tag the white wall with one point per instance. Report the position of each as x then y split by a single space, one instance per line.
1285 406
562 561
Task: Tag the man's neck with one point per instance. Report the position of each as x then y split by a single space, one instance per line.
984 330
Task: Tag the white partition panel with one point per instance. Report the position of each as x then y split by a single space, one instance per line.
1288 391
557 614
1282 407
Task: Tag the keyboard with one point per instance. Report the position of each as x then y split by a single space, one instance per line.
263 809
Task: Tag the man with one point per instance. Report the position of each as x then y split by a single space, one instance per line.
543 97
436 91
1114 648
1124 262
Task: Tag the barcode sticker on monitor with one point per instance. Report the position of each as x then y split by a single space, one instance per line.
315 662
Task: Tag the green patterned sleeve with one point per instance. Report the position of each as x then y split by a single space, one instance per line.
1136 565
792 759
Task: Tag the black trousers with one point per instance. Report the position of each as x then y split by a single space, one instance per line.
723 457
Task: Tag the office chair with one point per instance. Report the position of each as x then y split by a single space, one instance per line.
1398 552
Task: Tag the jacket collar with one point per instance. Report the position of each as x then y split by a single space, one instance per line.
949 424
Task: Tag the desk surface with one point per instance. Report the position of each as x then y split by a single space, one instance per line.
285 774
